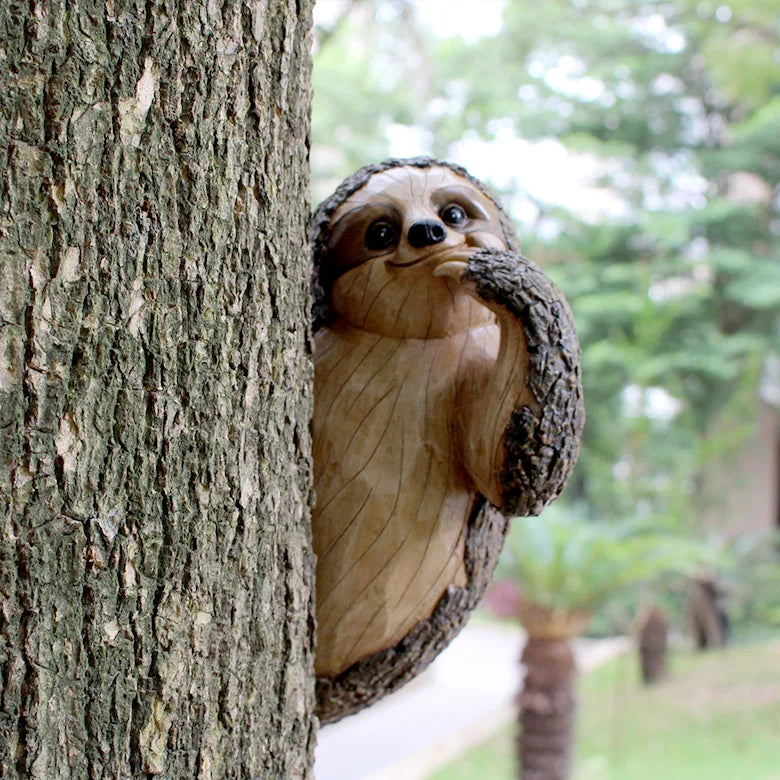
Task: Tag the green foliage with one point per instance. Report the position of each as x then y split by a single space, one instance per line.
753 583
754 145
563 563
676 289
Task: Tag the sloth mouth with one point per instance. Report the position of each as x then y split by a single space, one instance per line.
460 252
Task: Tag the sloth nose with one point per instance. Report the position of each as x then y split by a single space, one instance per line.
426 233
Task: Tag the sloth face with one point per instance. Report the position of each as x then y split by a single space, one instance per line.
389 237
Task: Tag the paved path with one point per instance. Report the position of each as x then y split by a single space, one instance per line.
464 696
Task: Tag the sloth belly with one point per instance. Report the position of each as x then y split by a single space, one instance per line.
392 500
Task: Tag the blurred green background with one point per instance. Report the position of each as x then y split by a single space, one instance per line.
637 147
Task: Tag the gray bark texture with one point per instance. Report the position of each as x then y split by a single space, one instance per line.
156 571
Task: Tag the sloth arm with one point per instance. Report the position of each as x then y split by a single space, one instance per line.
519 418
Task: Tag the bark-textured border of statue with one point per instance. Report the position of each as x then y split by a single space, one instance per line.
447 397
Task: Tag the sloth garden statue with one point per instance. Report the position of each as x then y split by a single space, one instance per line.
447 396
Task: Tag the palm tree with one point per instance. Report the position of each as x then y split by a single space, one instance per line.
566 568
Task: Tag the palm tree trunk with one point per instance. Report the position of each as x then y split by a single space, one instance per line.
708 618
547 709
653 644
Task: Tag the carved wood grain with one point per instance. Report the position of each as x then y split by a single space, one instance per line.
368 680
444 375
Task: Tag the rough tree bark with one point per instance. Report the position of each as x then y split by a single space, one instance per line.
548 699
155 564
548 704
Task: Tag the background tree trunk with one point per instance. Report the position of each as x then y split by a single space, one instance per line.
155 564
548 704
708 617
653 636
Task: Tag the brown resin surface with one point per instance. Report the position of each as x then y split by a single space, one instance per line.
415 383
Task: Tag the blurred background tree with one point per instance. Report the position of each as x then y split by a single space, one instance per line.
567 569
637 146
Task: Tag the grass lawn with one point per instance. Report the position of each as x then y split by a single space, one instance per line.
715 717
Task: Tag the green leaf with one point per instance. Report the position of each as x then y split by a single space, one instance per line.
759 289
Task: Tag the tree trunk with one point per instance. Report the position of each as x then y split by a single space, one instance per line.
709 620
155 564
547 709
653 644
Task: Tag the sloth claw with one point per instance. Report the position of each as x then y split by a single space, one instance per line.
452 268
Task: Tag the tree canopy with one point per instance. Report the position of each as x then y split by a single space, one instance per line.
657 213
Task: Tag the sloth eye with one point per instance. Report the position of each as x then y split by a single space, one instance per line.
453 214
380 235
